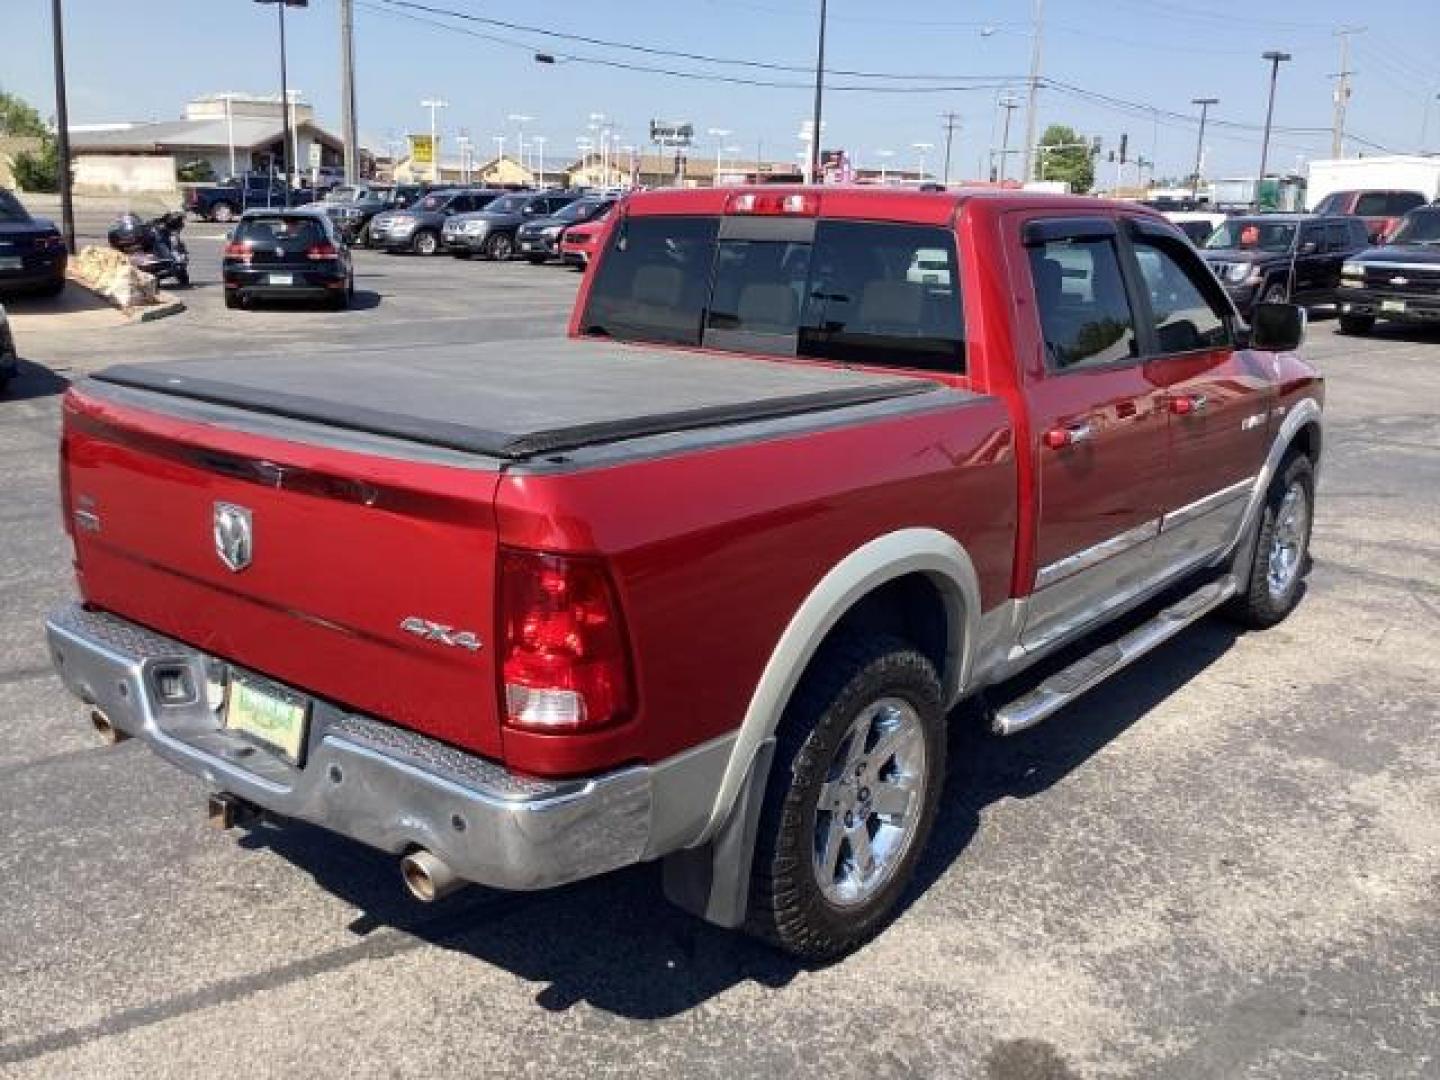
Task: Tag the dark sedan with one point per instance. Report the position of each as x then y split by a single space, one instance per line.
32 252
492 231
276 254
539 238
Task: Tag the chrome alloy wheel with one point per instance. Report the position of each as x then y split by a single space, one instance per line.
1287 546
870 805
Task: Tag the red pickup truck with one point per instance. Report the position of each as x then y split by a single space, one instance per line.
701 582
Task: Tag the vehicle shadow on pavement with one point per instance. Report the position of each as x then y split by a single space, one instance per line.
33 381
614 943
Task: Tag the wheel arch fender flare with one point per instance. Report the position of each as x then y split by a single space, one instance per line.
935 554
1304 414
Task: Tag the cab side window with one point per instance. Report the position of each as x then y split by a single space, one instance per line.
1084 311
1337 236
1186 318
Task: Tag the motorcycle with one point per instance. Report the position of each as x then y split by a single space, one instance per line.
154 246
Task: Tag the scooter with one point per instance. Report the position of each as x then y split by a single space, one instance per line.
154 246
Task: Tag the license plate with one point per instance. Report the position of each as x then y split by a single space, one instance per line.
11 262
282 279
1392 305
267 715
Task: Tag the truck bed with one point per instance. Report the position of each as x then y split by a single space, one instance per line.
514 400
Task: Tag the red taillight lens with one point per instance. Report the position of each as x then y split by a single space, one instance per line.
234 250
321 251
564 664
799 204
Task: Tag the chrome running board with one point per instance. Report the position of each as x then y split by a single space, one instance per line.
1065 686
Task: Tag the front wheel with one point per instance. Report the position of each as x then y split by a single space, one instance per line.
425 243
1275 293
1357 324
851 797
499 247
224 213
1282 548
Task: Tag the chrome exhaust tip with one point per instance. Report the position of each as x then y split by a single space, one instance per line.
105 729
427 877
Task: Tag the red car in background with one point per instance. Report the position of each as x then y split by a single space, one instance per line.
1382 209
579 243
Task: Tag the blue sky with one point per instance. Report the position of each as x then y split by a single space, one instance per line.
1159 53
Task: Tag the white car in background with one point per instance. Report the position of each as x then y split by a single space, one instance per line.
1196 224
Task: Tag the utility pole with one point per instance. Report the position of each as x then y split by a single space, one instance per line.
1204 103
1342 89
1036 42
434 105
1009 105
62 128
1276 58
952 122
348 126
819 94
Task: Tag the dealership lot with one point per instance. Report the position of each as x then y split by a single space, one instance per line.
1225 862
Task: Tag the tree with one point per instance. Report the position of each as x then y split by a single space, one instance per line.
38 171
1070 159
18 117
198 171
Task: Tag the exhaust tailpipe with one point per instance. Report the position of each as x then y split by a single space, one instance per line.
428 877
107 731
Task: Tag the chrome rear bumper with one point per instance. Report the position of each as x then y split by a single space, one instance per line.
384 786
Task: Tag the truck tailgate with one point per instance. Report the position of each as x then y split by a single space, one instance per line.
345 548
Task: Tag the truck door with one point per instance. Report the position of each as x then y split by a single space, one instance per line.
1217 398
1098 421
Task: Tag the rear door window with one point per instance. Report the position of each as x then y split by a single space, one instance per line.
884 294
1085 313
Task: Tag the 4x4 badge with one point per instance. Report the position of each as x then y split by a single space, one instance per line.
440 633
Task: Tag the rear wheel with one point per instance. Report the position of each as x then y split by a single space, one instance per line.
1282 548
222 212
499 246
233 299
852 795
1357 324
425 243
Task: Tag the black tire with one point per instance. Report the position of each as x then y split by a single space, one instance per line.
787 907
51 288
233 300
1357 324
536 260
462 253
222 212
1260 603
499 247
182 277
425 242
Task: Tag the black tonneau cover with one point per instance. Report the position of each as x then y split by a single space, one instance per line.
516 399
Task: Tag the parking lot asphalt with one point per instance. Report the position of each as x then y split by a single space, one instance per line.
1223 863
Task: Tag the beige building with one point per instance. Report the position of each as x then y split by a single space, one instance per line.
694 169
497 172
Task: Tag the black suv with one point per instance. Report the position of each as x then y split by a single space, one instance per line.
538 239
1278 258
1399 282
32 252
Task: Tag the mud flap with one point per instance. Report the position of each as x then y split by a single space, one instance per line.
712 881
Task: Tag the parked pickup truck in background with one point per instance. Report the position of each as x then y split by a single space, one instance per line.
701 583
226 201
1399 282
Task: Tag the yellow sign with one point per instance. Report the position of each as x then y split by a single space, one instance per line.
422 150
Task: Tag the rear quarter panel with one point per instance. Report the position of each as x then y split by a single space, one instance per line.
713 552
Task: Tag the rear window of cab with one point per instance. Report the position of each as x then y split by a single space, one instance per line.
878 294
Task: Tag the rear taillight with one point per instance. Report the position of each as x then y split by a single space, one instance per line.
564 663
239 251
320 252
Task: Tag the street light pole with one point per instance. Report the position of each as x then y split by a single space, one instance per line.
1030 110
884 156
1204 103
922 148
62 128
1276 58
288 141
434 105
348 125
539 141
721 134
819 96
